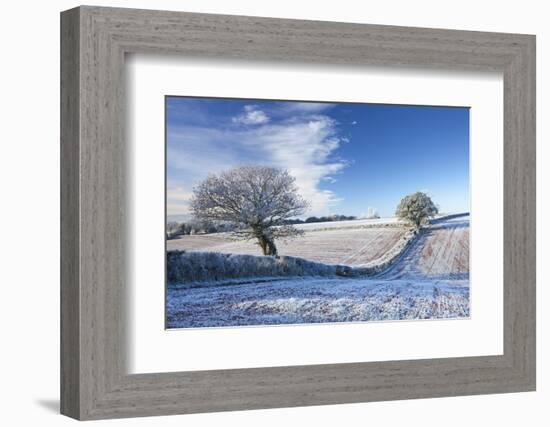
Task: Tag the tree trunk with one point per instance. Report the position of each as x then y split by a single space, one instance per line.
267 245
263 244
271 248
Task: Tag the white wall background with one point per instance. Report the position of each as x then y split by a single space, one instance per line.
29 231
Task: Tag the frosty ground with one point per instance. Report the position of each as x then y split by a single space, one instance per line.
429 280
353 243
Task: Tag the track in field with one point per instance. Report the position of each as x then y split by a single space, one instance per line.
440 252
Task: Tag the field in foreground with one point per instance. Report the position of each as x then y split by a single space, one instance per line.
316 300
429 281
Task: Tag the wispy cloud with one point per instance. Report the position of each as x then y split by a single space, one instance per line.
305 149
303 142
177 199
252 115
303 107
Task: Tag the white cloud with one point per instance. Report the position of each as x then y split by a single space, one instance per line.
177 199
304 107
252 115
305 145
305 149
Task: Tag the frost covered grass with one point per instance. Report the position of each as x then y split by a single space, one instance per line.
316 300
194 267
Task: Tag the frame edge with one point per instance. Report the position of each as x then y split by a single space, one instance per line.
84 363
70 395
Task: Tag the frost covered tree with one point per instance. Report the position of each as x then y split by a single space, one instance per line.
258 200
416 208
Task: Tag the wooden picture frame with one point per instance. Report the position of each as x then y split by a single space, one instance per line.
94 382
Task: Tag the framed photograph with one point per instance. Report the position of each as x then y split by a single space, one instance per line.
262 213
268 220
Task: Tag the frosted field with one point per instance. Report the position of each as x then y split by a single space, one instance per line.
429 281
353 243
316 301
440 253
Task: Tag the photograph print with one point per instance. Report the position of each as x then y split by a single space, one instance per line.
283 212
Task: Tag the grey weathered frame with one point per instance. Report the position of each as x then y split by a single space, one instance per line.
94 41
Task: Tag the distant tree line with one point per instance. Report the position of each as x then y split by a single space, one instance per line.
330 218
178 229
312 219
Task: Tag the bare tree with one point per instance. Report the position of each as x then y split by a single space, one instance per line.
259 200
416 208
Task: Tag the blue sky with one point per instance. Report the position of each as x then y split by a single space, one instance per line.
345 157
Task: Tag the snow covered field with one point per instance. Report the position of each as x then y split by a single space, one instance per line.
356 223
316 300
430 280
442 252
353 243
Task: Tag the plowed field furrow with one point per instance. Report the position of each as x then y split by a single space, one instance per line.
350 246
441 252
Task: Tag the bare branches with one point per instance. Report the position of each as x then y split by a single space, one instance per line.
258 199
